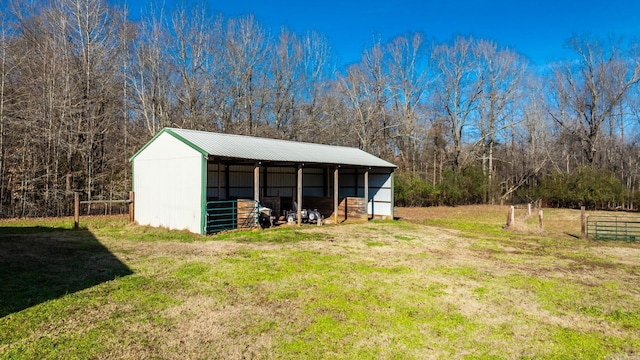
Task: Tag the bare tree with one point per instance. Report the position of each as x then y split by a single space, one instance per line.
316 71
499 102
286 67
245 55
408 81
589 91
70 96
192 33
6 67
459 85
94 39
150 74
366 94
528 147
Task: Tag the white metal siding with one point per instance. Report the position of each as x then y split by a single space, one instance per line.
167 185
380 193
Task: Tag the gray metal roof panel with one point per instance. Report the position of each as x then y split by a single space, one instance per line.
264 149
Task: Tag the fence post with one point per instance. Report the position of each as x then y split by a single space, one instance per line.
76 211
131 207
511 217
583 222
529 209
540 217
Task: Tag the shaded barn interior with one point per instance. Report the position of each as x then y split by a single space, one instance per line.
277 188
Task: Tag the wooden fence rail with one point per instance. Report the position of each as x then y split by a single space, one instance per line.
77 203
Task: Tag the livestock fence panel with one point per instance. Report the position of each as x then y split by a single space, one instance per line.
625 228
231 214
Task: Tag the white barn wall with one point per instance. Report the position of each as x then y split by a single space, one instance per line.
380 193
167 180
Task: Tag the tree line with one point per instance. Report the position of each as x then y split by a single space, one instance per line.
82 87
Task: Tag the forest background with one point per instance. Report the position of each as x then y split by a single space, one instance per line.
468 121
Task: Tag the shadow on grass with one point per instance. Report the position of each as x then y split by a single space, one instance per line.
38 264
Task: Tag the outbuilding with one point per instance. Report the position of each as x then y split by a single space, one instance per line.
183 179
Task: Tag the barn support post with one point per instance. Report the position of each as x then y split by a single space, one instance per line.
256 182
335 195
299 196
366 193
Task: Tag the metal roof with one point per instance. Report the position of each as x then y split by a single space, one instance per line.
263 149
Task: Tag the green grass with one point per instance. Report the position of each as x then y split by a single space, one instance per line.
383 289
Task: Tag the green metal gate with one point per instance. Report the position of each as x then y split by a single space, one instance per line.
231 214
625 228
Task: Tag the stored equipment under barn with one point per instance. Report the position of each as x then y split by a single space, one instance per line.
187 179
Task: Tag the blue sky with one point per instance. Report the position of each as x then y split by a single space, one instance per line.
536 29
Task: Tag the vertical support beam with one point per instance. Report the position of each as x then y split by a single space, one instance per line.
256 182
132 207
76 211
335 195
366 193
299 195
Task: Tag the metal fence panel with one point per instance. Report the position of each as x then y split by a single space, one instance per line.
625 228
231 214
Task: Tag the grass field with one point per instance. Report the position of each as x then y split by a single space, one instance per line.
439 283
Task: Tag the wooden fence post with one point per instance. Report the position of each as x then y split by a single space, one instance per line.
583 222
511 217
76 211
131 207
529 209
540 217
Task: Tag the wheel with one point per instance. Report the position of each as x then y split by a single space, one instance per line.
291 218
264 221
312 216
